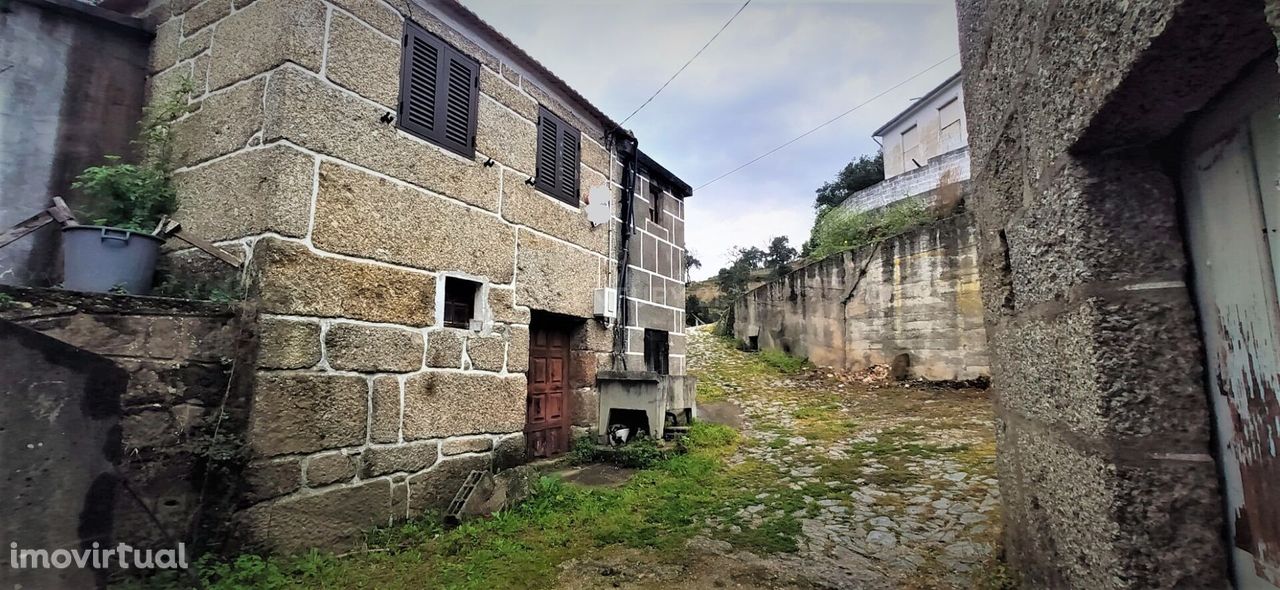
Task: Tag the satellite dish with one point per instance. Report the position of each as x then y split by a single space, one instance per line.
599 205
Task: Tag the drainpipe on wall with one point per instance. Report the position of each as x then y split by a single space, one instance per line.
628 148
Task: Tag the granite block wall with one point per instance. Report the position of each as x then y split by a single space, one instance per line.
1104 456
367 408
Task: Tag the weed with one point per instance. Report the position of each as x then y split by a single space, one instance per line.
841 229
136 196
182 285
6 301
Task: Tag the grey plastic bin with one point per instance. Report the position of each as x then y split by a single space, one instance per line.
98 259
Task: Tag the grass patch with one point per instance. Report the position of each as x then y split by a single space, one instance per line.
783 362
659 509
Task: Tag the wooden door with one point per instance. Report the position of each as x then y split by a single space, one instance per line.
546 431
1230 179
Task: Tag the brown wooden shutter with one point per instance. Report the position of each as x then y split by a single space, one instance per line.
548 150
567 177
439 87
558 149
458 105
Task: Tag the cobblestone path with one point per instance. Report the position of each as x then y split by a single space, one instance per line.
895 482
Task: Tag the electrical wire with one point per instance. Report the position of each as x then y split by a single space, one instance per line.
686 64
828 122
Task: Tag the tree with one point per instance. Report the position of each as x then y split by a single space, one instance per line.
690 262
856 175
733 279
779 254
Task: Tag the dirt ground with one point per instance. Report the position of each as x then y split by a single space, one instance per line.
881 485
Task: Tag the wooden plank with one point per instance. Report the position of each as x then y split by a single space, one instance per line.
25 227
62 213
174 229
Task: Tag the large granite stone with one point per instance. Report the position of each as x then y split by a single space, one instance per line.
303 413
443 404
555 277
257 191
333 520
366 216
266 34
363 61
373 349
293 280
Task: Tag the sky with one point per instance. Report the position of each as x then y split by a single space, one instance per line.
780 69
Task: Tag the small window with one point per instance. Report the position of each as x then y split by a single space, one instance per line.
459 302
655 209
656 351
557 173
911 148
439 86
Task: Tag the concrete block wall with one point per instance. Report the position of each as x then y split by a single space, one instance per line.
1105 461
367 409
916 293
655 293
941 170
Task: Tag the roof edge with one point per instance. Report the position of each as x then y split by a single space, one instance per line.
915 107
680 188
469 17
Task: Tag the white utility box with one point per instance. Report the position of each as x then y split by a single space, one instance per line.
606 302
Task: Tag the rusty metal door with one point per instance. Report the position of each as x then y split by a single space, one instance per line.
1233 209
546 425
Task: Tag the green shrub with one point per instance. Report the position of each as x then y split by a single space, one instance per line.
640 453
136 196
840 229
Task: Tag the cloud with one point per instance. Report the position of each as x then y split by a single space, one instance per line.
782 68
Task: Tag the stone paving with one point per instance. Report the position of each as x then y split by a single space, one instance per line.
895 482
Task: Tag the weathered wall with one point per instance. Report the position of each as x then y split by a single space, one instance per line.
175 362
916 293
59 440
71 89
924 182
367 408
1104 449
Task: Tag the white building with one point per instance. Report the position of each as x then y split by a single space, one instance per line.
925 147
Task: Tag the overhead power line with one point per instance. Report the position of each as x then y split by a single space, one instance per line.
828 122
686 64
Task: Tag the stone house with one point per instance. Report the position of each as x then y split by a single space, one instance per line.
445 244
1126 191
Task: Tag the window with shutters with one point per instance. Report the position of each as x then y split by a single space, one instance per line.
911 158
439 86
655 210
459 302
557 173
949 120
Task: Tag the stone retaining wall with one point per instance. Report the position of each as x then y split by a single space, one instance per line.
941 170
916 293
